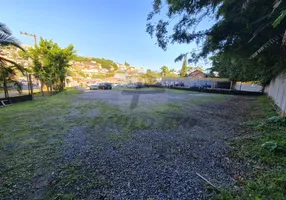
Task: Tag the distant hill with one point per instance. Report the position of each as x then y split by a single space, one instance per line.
81 66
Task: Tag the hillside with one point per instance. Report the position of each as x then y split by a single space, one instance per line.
84 69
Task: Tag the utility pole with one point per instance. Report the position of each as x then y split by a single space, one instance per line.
32 35
30 84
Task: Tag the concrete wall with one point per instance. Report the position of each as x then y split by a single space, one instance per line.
277 90
248 87
194 82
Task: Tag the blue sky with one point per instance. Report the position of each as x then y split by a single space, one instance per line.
113 29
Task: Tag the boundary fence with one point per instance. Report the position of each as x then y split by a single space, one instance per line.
277 91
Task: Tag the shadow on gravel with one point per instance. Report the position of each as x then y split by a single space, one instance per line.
136 94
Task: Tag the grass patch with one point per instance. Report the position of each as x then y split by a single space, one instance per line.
31 139
266 150
180 91
208 98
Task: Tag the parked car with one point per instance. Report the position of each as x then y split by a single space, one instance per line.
94 87
146 85
179 84
138 85
105 86
116 86
130 85
207 86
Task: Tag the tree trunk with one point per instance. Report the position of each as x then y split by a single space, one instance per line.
51 85
51 88
5 88
31 84
63 84
28 83
263 89
42 87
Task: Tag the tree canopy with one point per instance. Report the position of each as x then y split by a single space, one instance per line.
50 62
246 41
126 64
164 71
150 75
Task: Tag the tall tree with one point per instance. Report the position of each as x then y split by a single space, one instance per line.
184 69
126 64
51 63
150 76
240 33
164 71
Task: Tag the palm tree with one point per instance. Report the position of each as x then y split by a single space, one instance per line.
8 78
6 39
8 73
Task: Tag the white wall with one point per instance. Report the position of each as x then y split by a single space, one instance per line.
248 87
277 90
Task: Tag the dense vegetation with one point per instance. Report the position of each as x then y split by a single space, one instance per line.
50 63
105 63
264 148
246 41
8 68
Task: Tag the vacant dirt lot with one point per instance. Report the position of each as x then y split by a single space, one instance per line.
135 144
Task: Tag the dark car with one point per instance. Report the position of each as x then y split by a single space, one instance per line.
179 84
146 85
105 86
207 86
138 85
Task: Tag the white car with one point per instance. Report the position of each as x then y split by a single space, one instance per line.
130 85
94 87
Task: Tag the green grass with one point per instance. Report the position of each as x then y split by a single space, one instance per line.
180 91
269 164
208 98
31 139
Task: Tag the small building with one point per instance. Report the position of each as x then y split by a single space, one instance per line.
197 74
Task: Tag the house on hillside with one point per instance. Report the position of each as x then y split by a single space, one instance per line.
130 68
120 75
141 70
197 74
121 66
104 71
90 70
111 80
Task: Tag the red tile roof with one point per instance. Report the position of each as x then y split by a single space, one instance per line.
197 73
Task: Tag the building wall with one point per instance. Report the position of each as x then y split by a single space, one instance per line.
277 90
194 82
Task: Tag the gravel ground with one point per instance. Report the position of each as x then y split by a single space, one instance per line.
133 144
157 163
